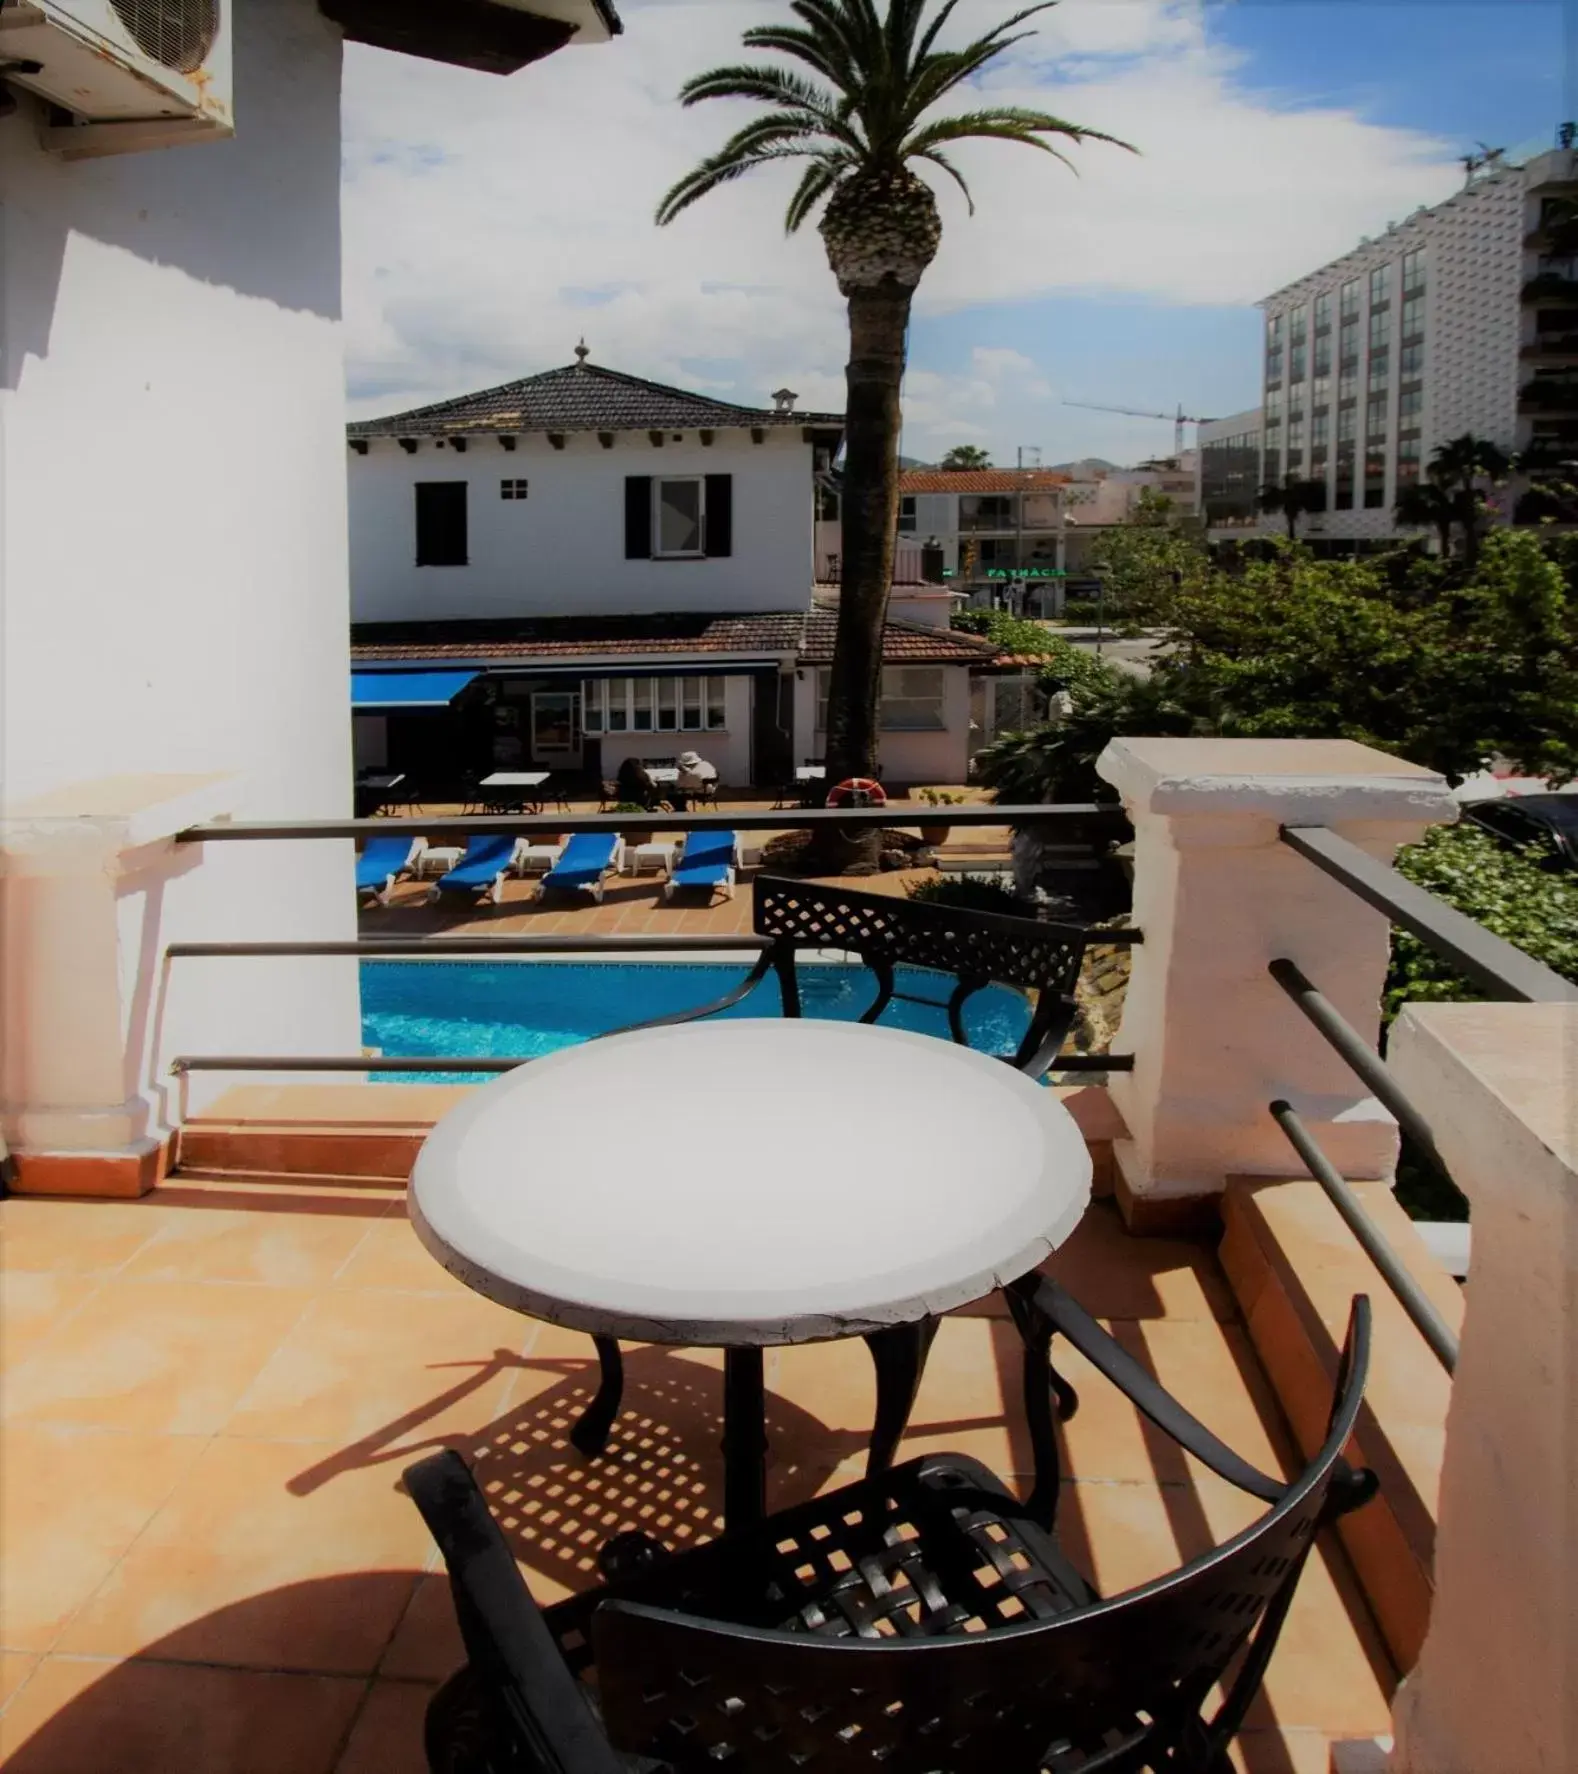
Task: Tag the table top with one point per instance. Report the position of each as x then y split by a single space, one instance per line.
636 1186
381 779
810 773
515 779
662 772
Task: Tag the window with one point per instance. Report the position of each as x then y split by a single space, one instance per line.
911 699
1273 403
1348 384
1374 477
1323 357
1298 326
1274 332
1380 369
677 507
441 523
512 489
1408 461
1413 271
1380 284
653 705
1320 391
907 515
1348 344
1297 362
1348 301
1295 436
827 505
1274 366
1375 416
1410 406
1414 317
1347 424
1411 364
1323 313
680 518
1273 470
1319 431
1380 330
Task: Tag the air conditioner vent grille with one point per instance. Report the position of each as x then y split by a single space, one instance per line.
177 33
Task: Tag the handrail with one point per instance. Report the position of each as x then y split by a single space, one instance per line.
901 814
1492 963
1352 1047
473 1062
1411 1296
432 947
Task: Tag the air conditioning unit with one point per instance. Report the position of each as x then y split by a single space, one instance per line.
132 74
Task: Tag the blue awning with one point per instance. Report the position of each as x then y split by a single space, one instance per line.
378 692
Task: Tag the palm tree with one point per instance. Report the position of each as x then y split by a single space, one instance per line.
966 456
1457 467
862 125
1293 498
1427 505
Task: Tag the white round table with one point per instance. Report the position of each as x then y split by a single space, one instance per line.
745 1183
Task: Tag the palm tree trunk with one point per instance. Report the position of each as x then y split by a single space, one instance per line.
878 323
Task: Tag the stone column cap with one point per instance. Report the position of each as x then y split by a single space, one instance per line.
90 824
1293 781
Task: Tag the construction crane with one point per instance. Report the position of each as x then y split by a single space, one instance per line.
1179 419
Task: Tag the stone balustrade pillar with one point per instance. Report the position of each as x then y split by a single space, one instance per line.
1218 896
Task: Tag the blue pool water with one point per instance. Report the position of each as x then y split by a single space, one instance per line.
527 1009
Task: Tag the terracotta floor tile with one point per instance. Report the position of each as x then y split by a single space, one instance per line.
171 1356
1281 1752
1114 1275
390 1256
387 1735
74 1237
397 1367
300 1249
426 1646
165 1718
33 1302
63 1527
241 1567
15 1668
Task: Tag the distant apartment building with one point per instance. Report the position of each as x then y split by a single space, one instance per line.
1463 318
1227 471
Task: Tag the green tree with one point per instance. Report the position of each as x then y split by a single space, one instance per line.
1464 468
1294 499
1428 506
863 119
1143 564
966 456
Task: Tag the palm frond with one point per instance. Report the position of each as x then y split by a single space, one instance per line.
820 178
773 86
1007 123
939 159
816 51
930 35
716 171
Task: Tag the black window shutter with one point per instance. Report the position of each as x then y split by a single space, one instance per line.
638 517
720 515
441 523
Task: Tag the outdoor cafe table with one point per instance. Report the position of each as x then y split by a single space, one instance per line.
517 779
586 1189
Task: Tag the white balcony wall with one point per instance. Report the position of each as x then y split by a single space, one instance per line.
172 514
561 550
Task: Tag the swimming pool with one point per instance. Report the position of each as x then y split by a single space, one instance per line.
526 1009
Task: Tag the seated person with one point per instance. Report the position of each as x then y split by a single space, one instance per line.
695 773
635 785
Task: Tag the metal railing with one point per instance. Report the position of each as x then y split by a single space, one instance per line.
1096 822
1491 963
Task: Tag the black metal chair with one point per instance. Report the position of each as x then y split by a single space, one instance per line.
922 1620
887 932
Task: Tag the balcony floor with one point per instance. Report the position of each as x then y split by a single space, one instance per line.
209 1562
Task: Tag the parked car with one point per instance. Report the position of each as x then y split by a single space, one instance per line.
1551 820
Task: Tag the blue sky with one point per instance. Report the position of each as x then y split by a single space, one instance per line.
490 223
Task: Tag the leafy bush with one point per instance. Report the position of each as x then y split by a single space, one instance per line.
1509 890
1082 609
974 893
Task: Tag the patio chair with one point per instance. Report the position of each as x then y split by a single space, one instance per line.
383 862
922 1619
588 859
885 932
708 860
481 870
610 797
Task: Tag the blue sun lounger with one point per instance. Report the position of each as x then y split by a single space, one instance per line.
382 863
587 858
708 861
481 869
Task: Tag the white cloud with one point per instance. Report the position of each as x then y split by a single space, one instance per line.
491 222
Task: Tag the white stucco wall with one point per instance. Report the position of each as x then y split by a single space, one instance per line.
940 755
727 749
172 511
561 550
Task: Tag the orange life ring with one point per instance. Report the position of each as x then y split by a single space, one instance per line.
858 791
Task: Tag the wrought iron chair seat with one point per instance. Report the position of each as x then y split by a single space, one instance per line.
921 1620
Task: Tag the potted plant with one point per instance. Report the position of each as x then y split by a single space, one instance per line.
935 835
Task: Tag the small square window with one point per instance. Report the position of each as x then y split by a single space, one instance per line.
512 489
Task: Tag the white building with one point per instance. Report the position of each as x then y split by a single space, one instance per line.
173 558
1423 334
1228 472
610 567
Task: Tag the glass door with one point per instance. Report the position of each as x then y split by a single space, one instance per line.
556 729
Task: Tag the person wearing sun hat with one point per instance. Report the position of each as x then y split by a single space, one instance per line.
694 774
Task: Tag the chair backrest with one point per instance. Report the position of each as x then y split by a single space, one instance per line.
1118 1683
977 948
